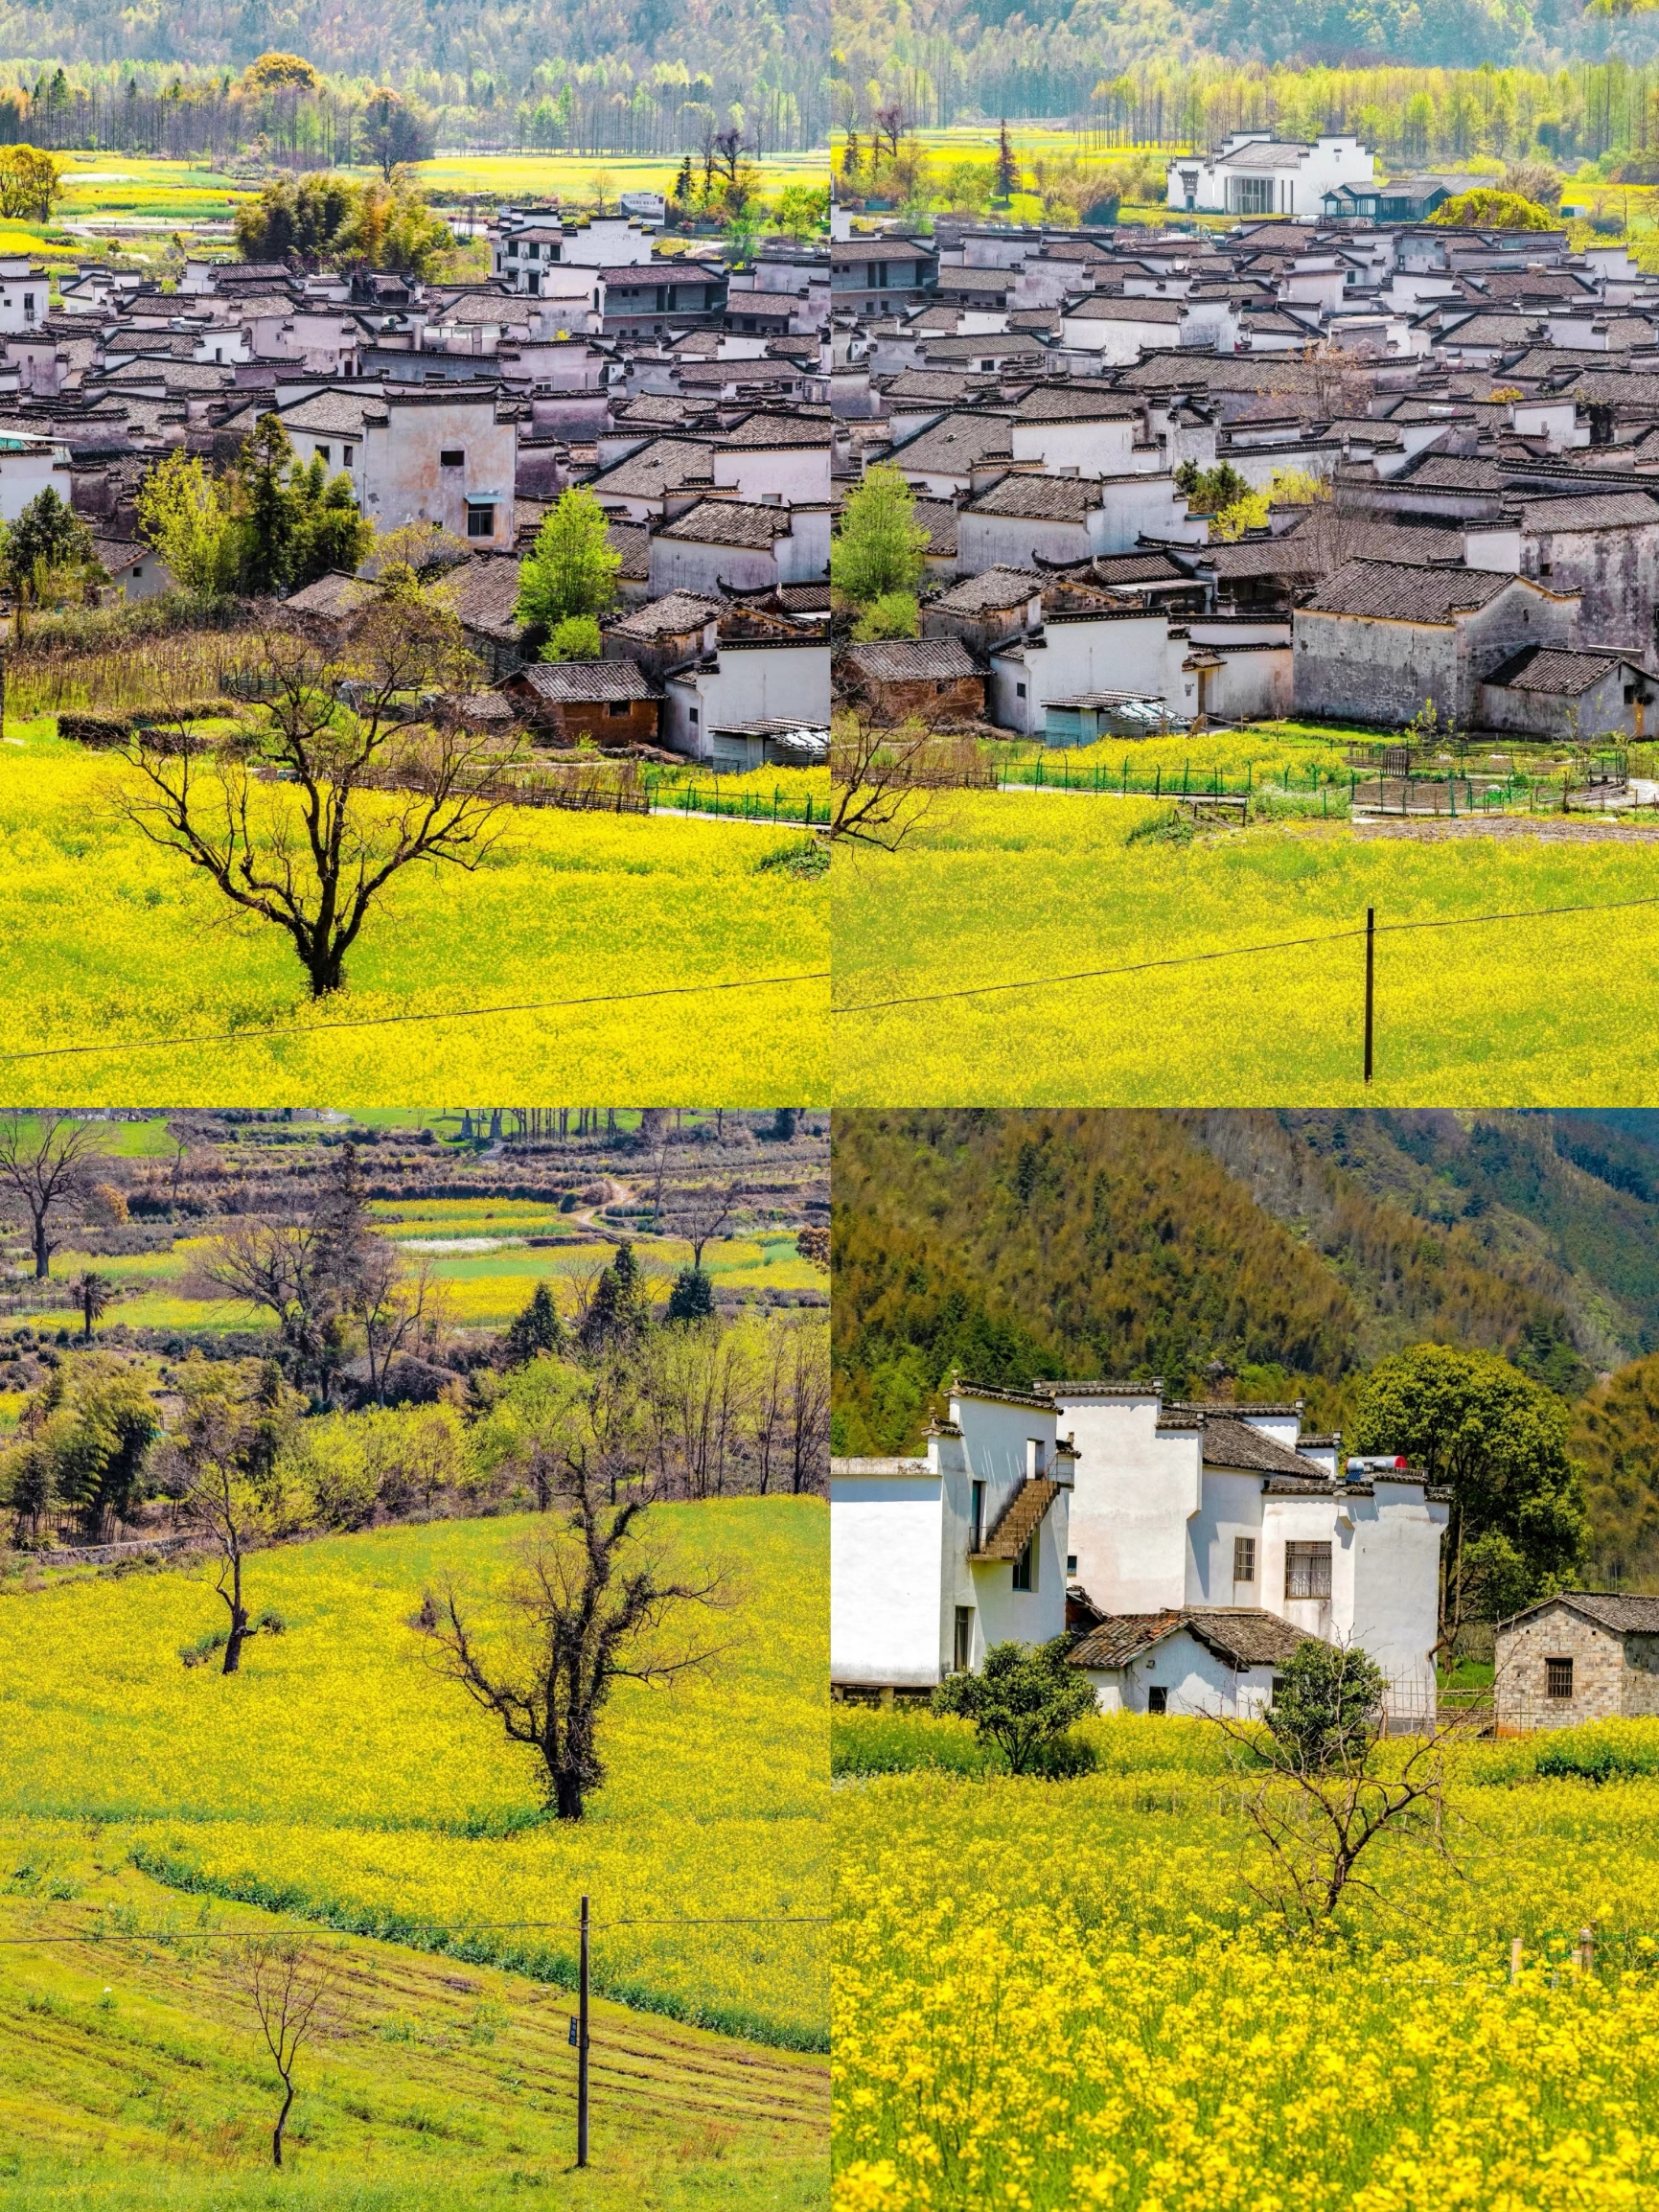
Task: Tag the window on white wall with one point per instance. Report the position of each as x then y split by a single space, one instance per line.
1026 1565
1308 1570
963 1655
1157 1698
977 1507
1244 1558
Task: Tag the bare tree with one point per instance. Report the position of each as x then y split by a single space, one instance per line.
314 857
288 1984
808 1409
52 1162
587 1609
220 1467
701 1213
1323 1802
277 1266
875 795
397 1308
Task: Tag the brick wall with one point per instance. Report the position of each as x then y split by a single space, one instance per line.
1598 1672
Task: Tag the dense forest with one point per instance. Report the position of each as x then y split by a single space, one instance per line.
1262 1255
604 76
1168 71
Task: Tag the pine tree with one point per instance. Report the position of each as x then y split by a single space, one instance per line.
1007 168
692 1298
536 1329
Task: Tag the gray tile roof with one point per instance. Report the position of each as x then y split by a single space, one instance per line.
575 682
1040 498
1403 591
1241 1635
1552 672
910 661
732 522
1607 1608
992 587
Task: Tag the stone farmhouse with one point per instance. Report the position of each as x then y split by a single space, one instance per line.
1581 1656
1191 1548
595 354
1477 412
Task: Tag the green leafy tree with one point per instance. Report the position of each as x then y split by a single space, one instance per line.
326 530
577 638
894 614
536 1329
265 509
395 130
692 1298
93 1294
1498 1440
91 1426
1487 209
184 514
1325 1705
1027 1698
571 568
1007 168
47 556
879 545
619 1311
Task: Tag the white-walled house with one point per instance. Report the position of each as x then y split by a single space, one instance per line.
934 1559
1201 1659
1223 1506
1253 173
743 683
28 467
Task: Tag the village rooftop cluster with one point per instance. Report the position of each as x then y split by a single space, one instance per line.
689 394
1479 411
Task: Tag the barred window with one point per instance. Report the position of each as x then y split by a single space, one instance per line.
1308 1570
1558 1677
1244 1558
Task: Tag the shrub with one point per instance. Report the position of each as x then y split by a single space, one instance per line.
1598 1753
96 729
198 1653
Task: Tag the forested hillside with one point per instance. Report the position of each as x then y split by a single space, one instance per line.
1270 1255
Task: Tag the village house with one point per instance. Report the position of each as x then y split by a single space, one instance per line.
1571 697
1252 172
611 701
447 457
932 676
1225 1505
724 545
781 676
1190 1548
934 1559
1581 1656
1379 637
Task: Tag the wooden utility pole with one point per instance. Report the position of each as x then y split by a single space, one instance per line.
1370 984
582 2050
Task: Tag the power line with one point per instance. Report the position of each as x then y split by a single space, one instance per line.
1244 951
105 1935
385 1020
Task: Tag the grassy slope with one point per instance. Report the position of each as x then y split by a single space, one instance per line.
132 2075
999 888
336 1774
104 937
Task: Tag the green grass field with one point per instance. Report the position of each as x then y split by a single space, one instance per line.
1002 888
107 942
337 1787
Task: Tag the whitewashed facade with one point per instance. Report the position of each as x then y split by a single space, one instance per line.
1220 1505
934 1559
1253 173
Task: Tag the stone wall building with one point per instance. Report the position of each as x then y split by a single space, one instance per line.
1581 1655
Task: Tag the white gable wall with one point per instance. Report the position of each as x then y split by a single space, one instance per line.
1192 1678
886 1549
1135 1490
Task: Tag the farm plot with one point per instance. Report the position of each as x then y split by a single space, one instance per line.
109 944
1065 1994
335 1778
1013 888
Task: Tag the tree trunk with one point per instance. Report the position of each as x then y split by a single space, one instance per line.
276 2141
42 1250
327 970
568 1793
232 1648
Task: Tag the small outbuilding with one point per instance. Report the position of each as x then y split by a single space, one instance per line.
612 701
1581 1656
904 676
1223 1659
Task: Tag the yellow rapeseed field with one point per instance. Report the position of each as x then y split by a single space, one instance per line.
338 1777
1009 887
106 941
1055 1996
